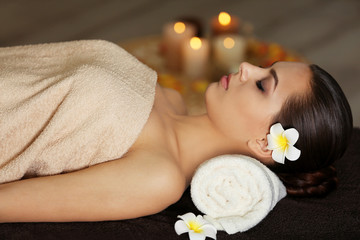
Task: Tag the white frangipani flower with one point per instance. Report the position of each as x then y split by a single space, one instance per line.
197 227
282 143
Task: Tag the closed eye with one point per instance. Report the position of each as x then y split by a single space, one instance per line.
259 85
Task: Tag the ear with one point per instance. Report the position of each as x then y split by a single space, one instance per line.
258 148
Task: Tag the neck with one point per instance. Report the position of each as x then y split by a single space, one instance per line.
199 140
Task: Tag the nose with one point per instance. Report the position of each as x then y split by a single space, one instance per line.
248 71
244 71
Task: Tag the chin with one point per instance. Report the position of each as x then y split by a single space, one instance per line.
208 94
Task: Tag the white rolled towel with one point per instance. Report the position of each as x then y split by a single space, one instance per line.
235 192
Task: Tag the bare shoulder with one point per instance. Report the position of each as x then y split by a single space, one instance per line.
162 166
163 174
175 99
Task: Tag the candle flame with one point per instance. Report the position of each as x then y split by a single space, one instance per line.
224 18
195 43
229 43
179 27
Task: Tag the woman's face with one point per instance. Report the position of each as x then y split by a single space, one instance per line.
242 105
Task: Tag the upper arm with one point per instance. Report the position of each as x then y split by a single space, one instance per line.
120 189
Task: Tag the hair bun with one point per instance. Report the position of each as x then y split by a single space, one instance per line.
317 183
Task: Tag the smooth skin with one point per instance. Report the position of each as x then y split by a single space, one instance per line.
159 166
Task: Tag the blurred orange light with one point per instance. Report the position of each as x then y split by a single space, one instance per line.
179 27
229 43
195 43
224 18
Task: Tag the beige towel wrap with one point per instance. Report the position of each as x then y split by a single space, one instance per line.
67 106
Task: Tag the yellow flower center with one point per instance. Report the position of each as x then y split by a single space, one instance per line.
195 226
282 142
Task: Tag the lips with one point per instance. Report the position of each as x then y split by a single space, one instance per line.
224 81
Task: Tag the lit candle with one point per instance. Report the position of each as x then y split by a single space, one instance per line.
174 36
196 55
229 52
225 24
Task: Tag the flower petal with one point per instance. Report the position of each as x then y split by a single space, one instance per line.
278 156
181 227
187 217
271 141
292 135
196 236
200 220
276 129
292 153
209 230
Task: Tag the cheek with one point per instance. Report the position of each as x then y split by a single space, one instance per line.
222 112
254 113
240 114
249 115
230 113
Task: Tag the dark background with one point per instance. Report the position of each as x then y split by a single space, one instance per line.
326 32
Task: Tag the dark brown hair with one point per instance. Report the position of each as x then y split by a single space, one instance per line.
324 121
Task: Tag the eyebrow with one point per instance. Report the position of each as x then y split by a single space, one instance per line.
273 63
274 74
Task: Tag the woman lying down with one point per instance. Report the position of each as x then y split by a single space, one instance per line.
83 125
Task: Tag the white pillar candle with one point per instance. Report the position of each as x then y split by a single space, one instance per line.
196 55
174 36
229 51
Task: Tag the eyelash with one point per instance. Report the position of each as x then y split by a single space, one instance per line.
260 86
